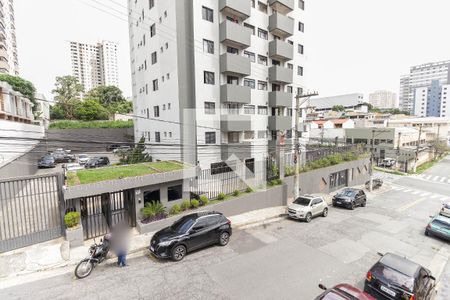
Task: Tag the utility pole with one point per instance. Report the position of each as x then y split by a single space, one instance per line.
398 147
298 105
417 150
371 160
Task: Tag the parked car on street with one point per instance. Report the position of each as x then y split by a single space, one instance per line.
396 277
63 156
343 291
112 147
306 207
445 210
191 232
387 163
376 183
96 162
83 159
73 167
46 161
122 149
350 198
439 226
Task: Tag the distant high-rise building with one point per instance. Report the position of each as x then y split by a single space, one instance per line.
9 63
431 101
95 64
421 76
383 99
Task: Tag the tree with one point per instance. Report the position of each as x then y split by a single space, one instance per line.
67 91
25 87
106 95
56 112
338 108
136 155
90 110
121 108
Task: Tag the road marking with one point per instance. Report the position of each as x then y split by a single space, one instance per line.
428 176
443 179
415 192
448 181
444 199
435 178
409 205
407 191
434 196
425 194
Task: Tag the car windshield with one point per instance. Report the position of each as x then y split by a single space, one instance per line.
393 277
441 224
183 224
302 201
48 158
82 156
348 193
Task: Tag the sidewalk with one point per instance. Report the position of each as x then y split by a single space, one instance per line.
443 285
56 254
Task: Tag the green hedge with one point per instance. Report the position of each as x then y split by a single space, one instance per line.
72 219
90 124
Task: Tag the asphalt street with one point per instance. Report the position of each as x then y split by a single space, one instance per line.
283 260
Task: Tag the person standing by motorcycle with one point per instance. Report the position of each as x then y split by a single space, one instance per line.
120 239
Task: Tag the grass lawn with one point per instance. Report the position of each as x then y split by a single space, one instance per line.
119 172
65 124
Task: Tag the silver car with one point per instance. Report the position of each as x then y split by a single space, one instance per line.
306 207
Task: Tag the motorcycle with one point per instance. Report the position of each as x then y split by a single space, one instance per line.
97 254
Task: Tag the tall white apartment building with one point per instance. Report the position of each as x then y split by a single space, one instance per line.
383 99
432 101
422 76
95 64
214 79
9 63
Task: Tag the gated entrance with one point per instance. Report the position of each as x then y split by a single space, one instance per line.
30 210
101 212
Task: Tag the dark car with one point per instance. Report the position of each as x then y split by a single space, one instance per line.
46 161
376 183
343 291
191 232
350 198
62 156
112 147
97 162
395 277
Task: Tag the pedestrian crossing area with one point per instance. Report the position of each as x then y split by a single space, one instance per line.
420 193
435 178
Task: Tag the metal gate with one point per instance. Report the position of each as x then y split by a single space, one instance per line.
30 210
101 212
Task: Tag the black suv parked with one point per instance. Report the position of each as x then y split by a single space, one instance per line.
97 162
191 232
46 161
350 198
395 277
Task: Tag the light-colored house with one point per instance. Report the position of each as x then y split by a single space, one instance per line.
332 124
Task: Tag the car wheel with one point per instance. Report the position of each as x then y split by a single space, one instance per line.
325 212
308 217
427 233
178 252
352 206
224 238
363 204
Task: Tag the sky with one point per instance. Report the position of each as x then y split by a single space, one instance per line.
352 45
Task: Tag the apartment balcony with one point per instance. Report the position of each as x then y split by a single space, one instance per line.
235 93
234 35
280 123
235 123
235 64
238 8
281 75
4 65
281 25
280 50
280 99
282 6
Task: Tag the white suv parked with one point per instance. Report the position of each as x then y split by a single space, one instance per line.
306 207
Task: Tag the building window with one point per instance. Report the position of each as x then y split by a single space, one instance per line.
168 106
155 85
289 89
232 80
290 66
250 55
158 137
146 89
210 137
301 4
152 30
210 108
262 110
167 45
154 58
156 111
251 27
252 3
232 50
164 107
262 60
208 46
300 71
207 14
151 3
250 83
262 7
249 109
208 77
262 134
249 135
233 137
262 85
175 192
300 49
262 33
301 27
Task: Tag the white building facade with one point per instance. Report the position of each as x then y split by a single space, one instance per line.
95 64
215 79
383 99
432 101
9 63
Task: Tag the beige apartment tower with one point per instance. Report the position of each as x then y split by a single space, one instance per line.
9 63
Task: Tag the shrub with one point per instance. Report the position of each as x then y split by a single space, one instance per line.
185 205
278 181
221 196
249 190
175 210
72 219
152 209
236 193
195 203
204 200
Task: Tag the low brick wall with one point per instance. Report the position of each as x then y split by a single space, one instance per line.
276 196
